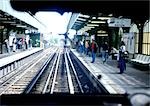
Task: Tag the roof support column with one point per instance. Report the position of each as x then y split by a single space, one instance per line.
1 40
140 27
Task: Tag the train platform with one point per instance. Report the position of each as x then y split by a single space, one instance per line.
131 81
13 53
10 61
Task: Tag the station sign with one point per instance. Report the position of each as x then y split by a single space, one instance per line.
117 22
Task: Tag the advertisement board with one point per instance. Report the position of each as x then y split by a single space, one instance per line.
117 22
129 40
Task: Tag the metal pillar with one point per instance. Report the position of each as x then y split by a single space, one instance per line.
1 41
140 27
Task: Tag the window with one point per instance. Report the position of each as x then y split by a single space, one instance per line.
136 42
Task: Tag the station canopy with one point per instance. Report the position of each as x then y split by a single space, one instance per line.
90 14
10 21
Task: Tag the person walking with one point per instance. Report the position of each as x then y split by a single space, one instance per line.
14 44
104 52
94 50
122 64
87 47
7 45
81 47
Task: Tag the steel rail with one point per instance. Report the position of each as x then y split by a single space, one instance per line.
33 82
50 74
15 73
76 76
55 74
71 87
19 77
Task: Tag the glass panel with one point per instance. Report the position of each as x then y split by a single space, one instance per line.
144 51
145 37
148 49
136 48
148 37
136 37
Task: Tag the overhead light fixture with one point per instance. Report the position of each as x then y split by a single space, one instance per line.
120 16
77 23
110 15
92 25
85 16
98 22
89 21
102 34
89 27
8 22
3 18
101 31
93 17
104 18
1 27
81 19
22 26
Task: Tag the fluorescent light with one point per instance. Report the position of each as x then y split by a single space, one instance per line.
85 16
8 22
1 27
110 15
92 25
89 27
104 18
77 23
98 22
102 34
81 19
22 26
93 17
101 31
3 18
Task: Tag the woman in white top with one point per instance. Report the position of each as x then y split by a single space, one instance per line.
122 63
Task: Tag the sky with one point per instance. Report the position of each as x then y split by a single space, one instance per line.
54 22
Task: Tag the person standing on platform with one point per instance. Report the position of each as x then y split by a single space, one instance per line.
14 44
94 50
87 47
104 52
122 64
81 47
7 45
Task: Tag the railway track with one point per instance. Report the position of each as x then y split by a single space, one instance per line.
18 81
61 75
53 71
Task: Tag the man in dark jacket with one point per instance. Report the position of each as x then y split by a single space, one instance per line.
104 52
94 50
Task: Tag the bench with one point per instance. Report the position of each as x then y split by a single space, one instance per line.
141 60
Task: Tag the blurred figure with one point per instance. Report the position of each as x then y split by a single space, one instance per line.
81 47
122 64
94 50
14 44
30 43
104 52
87 47
7 45
26 45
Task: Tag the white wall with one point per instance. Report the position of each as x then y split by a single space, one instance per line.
145 29
134 28
147 26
